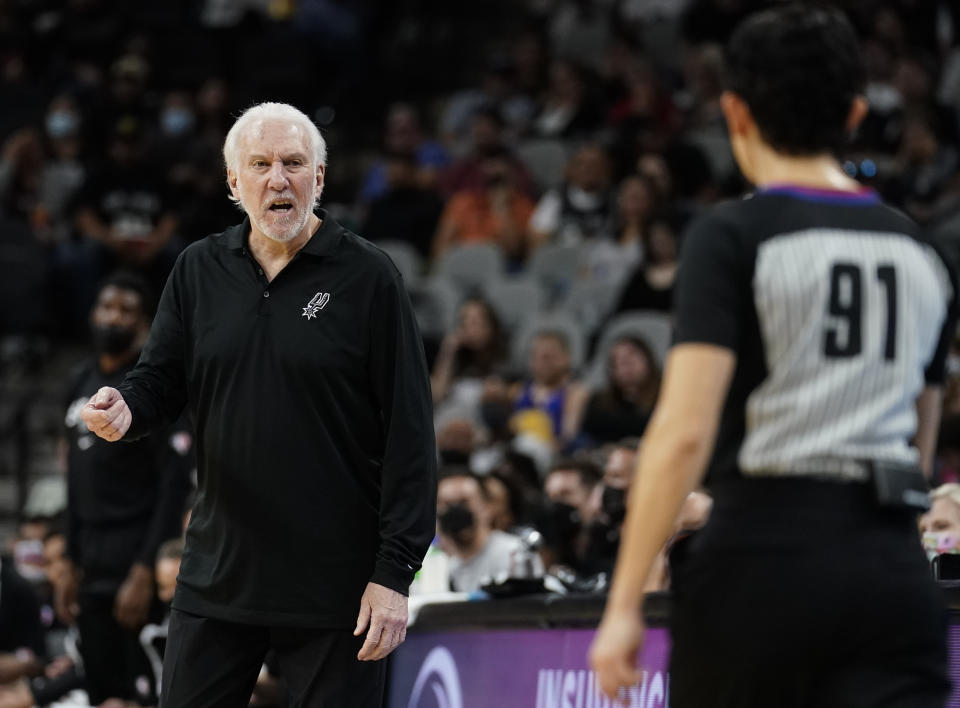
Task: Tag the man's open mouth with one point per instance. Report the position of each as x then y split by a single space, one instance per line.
281 206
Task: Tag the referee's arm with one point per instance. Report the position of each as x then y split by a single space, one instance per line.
676 448
929 405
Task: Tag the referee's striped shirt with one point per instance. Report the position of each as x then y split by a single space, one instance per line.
838 312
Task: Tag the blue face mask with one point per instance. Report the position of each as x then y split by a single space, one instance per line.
176 121
61 124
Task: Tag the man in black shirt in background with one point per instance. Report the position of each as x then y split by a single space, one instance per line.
294 346
124 501
812 329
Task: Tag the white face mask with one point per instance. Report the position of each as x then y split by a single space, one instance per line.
937 542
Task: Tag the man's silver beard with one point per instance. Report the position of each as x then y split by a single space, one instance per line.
288 235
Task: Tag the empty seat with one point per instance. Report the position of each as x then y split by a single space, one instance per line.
515 300
405 258
469 267
546 159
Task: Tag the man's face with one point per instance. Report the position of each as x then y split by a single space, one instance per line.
275 178
463 493
944 516
117 322
564 487
549 360
618 472
117 307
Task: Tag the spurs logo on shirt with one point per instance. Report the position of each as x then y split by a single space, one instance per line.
317 303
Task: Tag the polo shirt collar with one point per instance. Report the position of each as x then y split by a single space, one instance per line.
323 242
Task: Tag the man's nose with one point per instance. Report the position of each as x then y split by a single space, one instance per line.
277 175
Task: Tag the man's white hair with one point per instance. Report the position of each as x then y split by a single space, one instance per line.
270 111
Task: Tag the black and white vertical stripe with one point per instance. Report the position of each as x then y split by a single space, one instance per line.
813 408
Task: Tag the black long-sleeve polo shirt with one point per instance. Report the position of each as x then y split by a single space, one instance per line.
315 446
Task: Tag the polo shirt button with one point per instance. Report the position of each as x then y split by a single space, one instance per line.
266 293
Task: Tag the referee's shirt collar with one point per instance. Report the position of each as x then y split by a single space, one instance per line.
323 242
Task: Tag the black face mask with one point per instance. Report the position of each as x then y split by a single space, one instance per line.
561 522
455 520
454 458
112 339
614 504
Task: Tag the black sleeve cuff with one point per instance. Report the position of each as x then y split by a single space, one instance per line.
390 576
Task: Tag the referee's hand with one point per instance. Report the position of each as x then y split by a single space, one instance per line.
107 415
385 612
613 654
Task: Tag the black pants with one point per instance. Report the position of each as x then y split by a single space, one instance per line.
807 597
113 660
209 663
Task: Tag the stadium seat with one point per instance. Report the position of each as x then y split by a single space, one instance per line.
515 299
435 304
556 268
589 303
406 258
546 160
655 328
470 266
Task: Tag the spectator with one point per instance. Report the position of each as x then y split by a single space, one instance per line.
582 207
475 350
124 501
569 489
651 285
497 88
126 213
404 137
925 179
22 645
580 31
487 138
609 507
566 111
40 175
497 214
506 502
551 387
477 551
623 407
940 526
612 258
406 210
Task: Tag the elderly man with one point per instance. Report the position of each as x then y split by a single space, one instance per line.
294 345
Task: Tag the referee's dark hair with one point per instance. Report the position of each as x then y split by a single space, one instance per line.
798 68
128 280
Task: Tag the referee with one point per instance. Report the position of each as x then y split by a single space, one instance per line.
812 326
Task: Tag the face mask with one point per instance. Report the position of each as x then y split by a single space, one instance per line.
112 339
60 124
614 504
937 542
561 522
29 560
455 520
176 121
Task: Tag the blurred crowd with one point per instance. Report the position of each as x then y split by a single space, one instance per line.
529 165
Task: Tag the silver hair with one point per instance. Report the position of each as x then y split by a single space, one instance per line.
950 491
271 111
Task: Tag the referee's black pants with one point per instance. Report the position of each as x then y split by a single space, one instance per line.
210 663
804 594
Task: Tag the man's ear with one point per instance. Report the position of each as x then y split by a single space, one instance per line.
858 111
232 183
737 114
